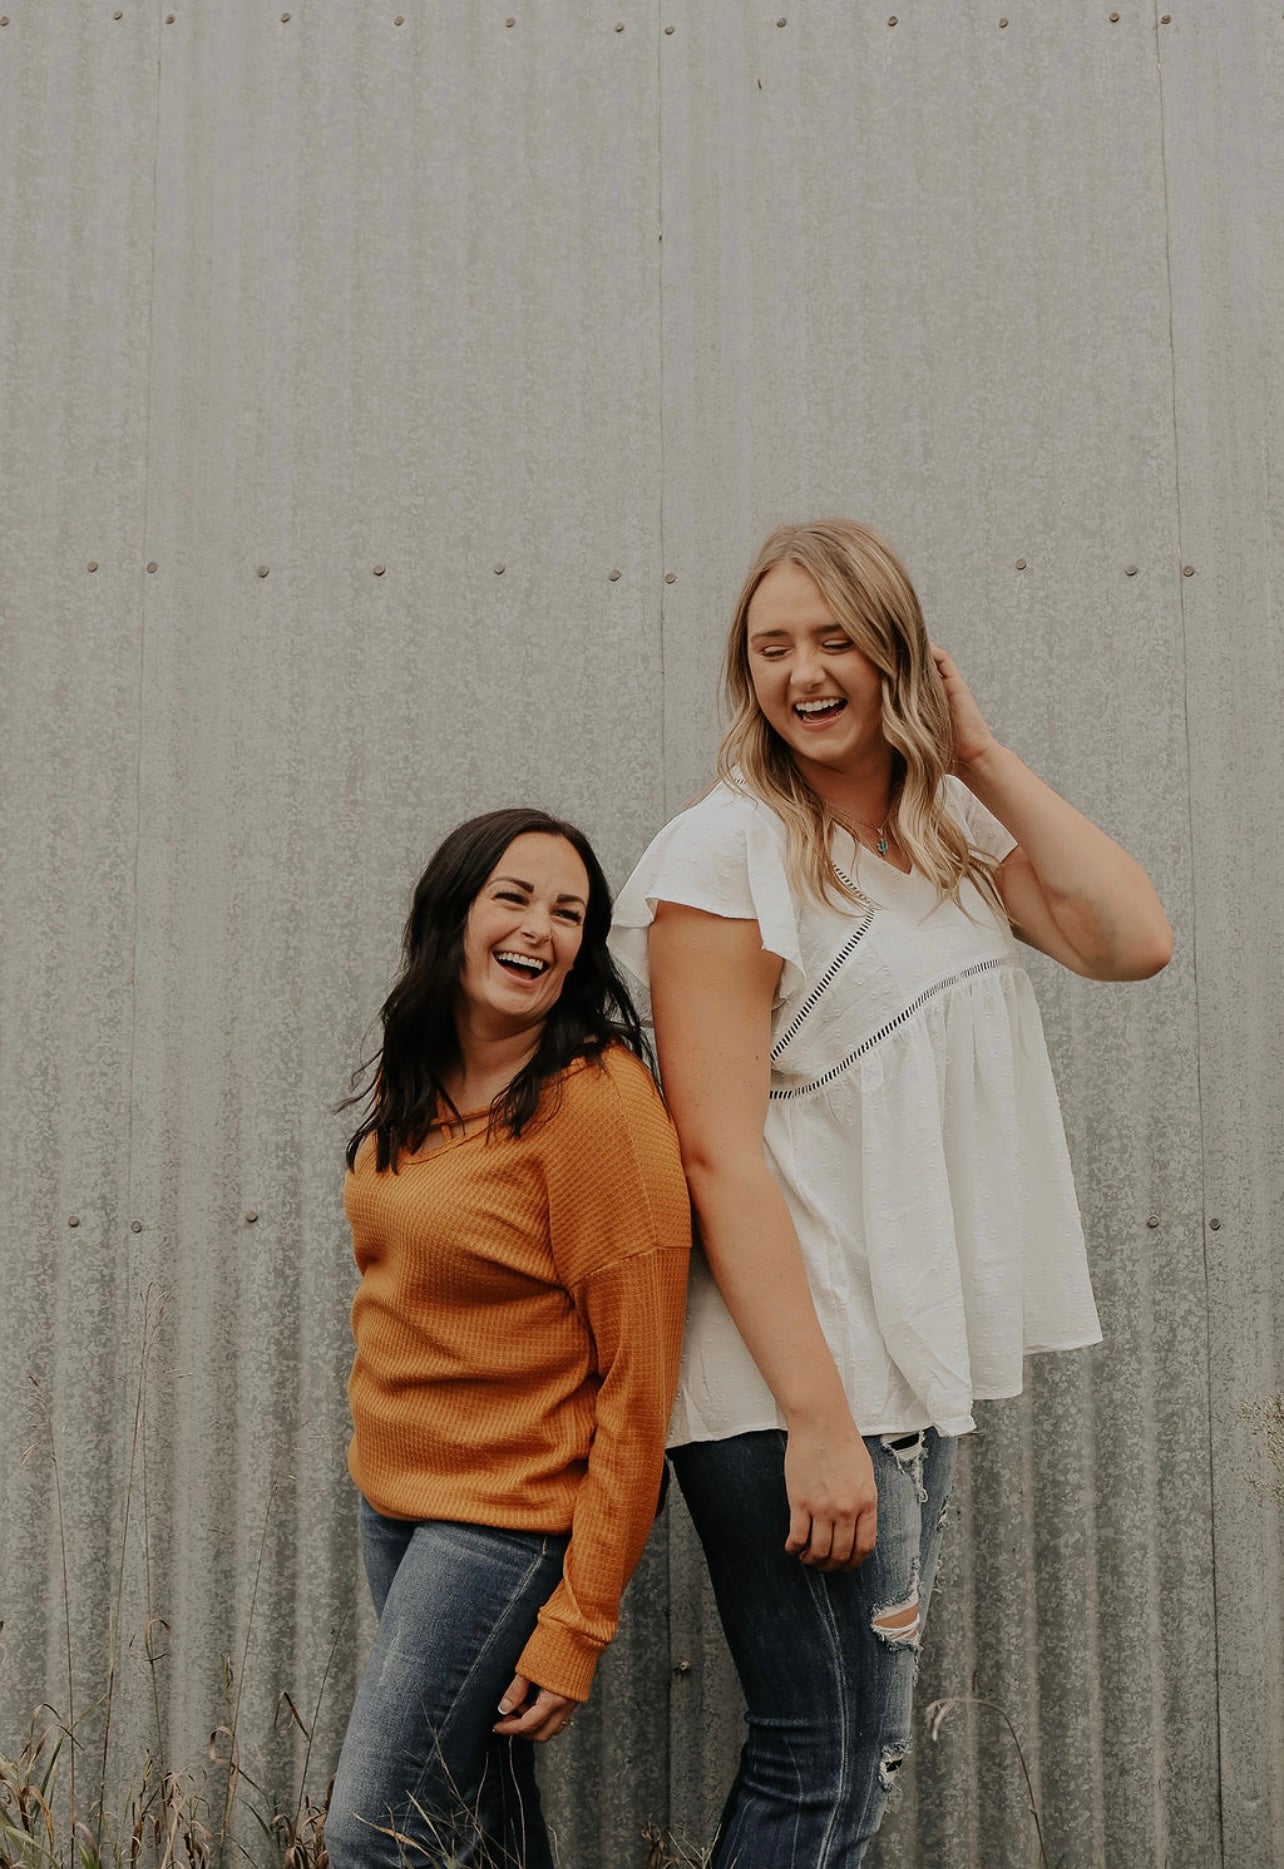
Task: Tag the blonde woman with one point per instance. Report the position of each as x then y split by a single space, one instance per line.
853 1056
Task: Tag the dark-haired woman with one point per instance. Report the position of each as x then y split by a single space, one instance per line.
521 1225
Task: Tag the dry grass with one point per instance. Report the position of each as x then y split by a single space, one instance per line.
65 1800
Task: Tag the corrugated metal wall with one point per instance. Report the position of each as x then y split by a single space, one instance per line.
416 387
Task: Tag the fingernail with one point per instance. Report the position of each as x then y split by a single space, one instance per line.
504 1707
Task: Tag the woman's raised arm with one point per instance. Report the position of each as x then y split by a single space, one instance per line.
1070 889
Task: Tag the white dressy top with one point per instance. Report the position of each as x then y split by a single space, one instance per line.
912 1125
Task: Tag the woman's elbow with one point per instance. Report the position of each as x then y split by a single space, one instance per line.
1148 954
712 1172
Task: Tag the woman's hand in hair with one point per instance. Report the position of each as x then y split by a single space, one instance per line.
547 1715
972 738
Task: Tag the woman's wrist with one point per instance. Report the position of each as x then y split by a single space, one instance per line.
818 1406
979 761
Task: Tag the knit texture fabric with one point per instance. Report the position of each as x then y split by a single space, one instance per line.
518 1328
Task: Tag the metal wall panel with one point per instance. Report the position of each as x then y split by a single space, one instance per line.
1223 96
406 424
77 146
286 300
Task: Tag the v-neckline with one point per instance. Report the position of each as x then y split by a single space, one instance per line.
452 1142
862 850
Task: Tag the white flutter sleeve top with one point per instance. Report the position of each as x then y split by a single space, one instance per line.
912 1125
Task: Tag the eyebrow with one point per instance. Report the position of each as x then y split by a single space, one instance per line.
530 889
785 635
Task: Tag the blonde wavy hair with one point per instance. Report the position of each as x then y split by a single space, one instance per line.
869 592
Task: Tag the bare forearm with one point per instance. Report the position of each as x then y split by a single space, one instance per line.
1101 900
753 1252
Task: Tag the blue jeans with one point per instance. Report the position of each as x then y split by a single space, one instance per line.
456 1605
829 1693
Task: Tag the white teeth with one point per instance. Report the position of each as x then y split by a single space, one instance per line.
530 961
817 707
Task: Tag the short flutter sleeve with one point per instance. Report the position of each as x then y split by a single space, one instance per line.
981 825
725 855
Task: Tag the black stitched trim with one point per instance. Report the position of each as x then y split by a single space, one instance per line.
821 987
885 1031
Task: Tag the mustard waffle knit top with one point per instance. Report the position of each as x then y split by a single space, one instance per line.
518 1328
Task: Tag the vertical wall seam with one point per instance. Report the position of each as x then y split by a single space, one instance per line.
1194 919
659 263
142 668
656 27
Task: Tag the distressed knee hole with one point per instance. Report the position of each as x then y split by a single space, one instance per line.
898 1626
888 1766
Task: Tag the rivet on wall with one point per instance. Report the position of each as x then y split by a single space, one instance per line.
263 570
135 1226
1002 24
782 22
670 30
1130 571
1165 19
892 20
1114 19
1216 1225
1152 1220
379 570
73 1220
169 19
510 22
1020 564
4 19
285 19
670 577
92 565
118 16
499 571
400 20
614 576
152 565
1188 571
251 1215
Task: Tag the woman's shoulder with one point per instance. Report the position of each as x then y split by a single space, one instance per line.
612 1078
724 809
708 848
726 854
611 1102
980 825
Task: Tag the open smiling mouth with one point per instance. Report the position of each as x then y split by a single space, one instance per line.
817 712
521 966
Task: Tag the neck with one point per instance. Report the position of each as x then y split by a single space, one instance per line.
489 1061
861 791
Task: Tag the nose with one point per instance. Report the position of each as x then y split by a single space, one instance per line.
806 671
537 923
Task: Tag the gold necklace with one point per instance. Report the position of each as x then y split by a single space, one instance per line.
877 831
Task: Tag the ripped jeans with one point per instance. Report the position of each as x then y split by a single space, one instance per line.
829 1695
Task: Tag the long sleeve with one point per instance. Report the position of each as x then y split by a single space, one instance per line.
620 1225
